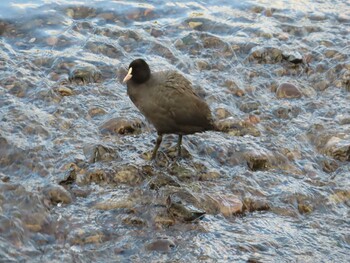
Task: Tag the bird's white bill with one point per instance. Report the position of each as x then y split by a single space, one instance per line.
128 76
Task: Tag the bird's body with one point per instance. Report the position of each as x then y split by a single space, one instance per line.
168 101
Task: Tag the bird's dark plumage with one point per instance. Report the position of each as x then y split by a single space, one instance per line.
168 101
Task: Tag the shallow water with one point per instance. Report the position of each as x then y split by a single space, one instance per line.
76 185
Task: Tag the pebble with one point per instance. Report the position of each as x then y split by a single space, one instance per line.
222 113
57 194
94 112
64 91
252 205
229 204
194 25
257 160
236 127
100 153
128 175
288 91
121 126
338 148
162 244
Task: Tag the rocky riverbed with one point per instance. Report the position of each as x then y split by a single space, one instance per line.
76 181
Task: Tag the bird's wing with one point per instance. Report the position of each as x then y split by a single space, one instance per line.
182 103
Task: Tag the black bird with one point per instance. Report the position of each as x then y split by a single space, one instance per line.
168 101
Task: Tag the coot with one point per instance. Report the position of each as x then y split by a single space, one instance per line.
168 101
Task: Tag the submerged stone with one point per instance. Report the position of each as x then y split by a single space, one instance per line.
338 148
100 153
162 244
121 126
228 204
65 91
57 194
288 91
258 160
184 206
252 205
84 74
238 128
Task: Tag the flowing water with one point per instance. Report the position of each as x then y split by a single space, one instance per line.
76 181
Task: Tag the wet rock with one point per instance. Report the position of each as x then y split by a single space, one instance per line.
305 208
4 178
288 91
69 177
238 128
338 148
23 210
18 88
162 244
268 55
249 106
163 180
336 55
254 259
164 221
121 126
65 91
345 79
296 30
209 176
108 16
57 194
94 112
183 173
80 12
97 176
234 88
155 32
222 113
183 206
163 51
286 111
207 25
202 65
252 205
3 26
128 175
340 196
257 9
229 204
321 85
213 42
329 166
281 112
253 119
343 119
131 220
258 160
77 191
293 57
268 12
343 18
142 14
115 203
317 16
194 25
105 49
82 237
83 74
100 153
43 239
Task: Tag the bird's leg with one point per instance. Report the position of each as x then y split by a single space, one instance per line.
179 146
159 141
